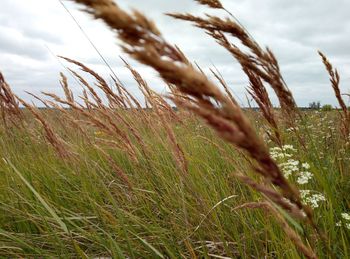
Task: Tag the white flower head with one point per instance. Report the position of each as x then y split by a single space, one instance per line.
312 199
346 216
304 177
305 165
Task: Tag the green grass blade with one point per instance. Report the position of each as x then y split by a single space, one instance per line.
38 196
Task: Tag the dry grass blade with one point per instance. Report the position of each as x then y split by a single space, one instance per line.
211 3
58 144
258 91
104 122
220 78
92 91
258 61
8 103
113 99
335 79
68 93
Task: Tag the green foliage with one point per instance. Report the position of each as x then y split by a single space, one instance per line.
327 108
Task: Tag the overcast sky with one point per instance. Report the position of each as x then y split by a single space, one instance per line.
294 30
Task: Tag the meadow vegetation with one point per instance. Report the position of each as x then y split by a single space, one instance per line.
128 178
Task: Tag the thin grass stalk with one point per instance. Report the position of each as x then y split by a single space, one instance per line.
335 79
9 105
57 143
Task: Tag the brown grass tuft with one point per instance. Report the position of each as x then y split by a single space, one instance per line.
58 144
9 105
211 3
335 79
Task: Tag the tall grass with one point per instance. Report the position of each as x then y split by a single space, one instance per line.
88 178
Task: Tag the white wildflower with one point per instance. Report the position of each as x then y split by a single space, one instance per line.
304 177
346 216
289 167
312 199
304 193
305 165
289 147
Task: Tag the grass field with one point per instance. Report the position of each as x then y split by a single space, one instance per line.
139 179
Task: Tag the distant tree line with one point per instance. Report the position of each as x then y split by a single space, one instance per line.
317 106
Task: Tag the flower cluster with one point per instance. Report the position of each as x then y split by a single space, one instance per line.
312 199
346 220
297 170
277 152
291 166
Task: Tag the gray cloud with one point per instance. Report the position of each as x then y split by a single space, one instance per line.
19 45
16 16
294 30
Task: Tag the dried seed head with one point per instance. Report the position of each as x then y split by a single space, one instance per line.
211 3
